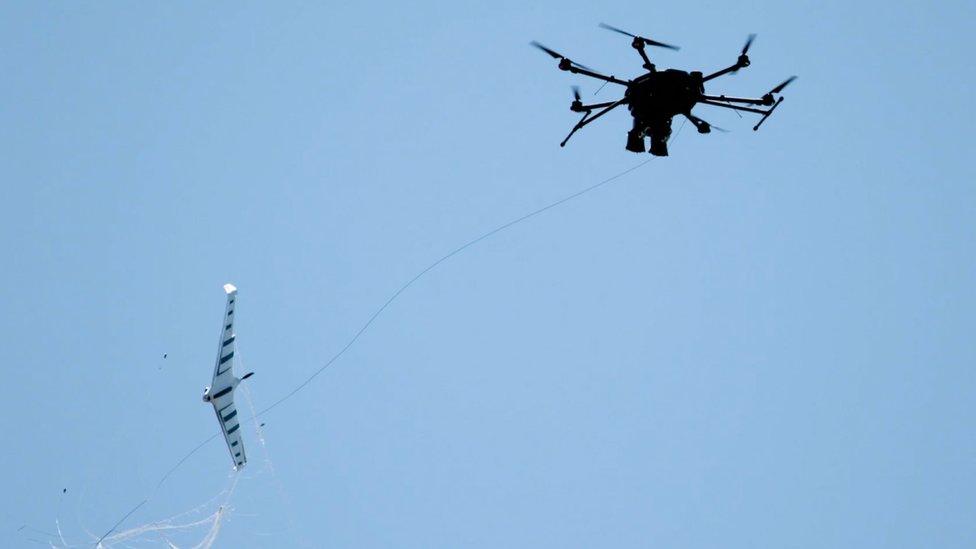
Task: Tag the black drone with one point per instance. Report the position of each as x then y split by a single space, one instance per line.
655 97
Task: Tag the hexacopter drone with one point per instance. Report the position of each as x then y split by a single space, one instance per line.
655 97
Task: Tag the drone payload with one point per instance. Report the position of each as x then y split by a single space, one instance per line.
657 96
220 393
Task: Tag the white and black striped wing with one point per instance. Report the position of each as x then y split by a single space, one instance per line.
222 388
230 425
224 369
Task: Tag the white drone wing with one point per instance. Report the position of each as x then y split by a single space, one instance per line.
224 383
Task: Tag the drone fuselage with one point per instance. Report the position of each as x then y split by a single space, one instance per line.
663 94
654 99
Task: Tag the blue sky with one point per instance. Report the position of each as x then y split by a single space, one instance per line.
762 340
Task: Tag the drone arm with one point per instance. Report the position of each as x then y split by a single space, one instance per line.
765 113
587 118
724 71
741 62
576 70
583 108
733 107
747 100
609 108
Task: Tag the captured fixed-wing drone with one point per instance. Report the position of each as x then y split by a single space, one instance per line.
655 97
220 393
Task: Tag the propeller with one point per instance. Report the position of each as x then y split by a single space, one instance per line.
745 49
714 127
785 83
768 99
647 41
703 125
743 58
577 104
556 55
709 126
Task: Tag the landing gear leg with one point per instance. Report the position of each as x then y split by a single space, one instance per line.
635 141
659 145
659 138
635 137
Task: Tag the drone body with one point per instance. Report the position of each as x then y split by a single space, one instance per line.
656 97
